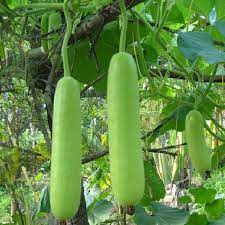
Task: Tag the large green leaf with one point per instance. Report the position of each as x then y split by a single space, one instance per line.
185 199
200 6
154 183
220 25
101 211
216 33
221 221
175 120
111 33
203 195
214 209
10 163
174 17
196 219
218 155
44 204
84 67
219 5
199 44
161 215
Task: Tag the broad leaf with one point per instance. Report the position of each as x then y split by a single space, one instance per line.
203 195
214 209
221 221
161 215
44 204
102 210
220 25
199 44
175 120
196 219
200 6
185 199
88 62
174 17
155 186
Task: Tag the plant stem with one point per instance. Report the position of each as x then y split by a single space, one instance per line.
41 5
141 54
123 35
66 40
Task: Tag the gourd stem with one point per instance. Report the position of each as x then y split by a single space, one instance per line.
66 40
123 35
49 6
138 39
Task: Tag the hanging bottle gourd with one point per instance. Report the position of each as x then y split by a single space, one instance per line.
198 150
65 180
125 153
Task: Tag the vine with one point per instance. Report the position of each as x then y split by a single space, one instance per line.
66 39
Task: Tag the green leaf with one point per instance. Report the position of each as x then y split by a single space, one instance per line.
175 120
169 215
141 217
221 221
84 67
7 224
215 34
200 6
155 186
174 17
150 53
214 209
196 219
203 195
44 204
185 199
199 44
220 25
179 56
87 67
111 33
219 4
146 199
102 210
41 148
214 161
218 155
18 219
161 215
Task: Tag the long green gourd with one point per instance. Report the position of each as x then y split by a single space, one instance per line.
125 153
44 30
65 180
54 23
198 150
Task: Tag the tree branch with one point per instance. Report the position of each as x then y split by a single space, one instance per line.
106 15
93 156
41 120
91 84
177 75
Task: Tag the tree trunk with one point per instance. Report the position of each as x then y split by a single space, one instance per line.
81 218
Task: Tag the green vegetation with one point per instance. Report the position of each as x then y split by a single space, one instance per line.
131 155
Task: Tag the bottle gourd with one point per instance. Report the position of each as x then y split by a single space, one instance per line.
198 150
54 23
44 30
65 181
125 153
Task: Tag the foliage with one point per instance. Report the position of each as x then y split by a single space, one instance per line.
4 206
179 50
